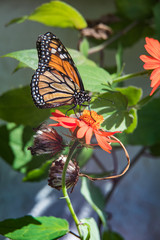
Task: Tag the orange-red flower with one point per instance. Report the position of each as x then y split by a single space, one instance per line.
152 62
87 125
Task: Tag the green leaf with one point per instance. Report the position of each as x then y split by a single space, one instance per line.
135 9
95 198
84 155
114 108
134 123
95 79
20 66
89 72
58 14
148 131
14 146
38 173
17 106
14 142
119 60
28 57
28 227
55 14
84 47
17 20
80 59
89 229
109 235
133 94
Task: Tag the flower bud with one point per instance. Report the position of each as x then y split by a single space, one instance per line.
46 141
56 170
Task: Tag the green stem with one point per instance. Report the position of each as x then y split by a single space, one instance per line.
64 189
131 75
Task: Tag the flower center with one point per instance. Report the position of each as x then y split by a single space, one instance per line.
92 119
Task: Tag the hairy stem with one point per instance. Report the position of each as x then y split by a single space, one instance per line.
64 189
131 75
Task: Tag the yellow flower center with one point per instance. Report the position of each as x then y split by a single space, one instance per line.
92 119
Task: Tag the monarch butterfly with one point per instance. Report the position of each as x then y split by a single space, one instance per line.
56 81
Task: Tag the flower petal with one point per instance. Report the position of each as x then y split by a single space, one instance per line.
89 135
107 134
67 125
153 47
155 87
55 124
81 132
64 119
155 77
57 113
150 62
103 143
61 124
80 123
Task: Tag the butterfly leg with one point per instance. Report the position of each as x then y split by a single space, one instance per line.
74 107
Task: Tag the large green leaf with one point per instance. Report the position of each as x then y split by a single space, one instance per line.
84 155
94 78
119 60
135 9
132 93
80 59
89 229
94 197
28 57
114 108
38 174
27 228
84 47
14 142
148 131
14 146
17 106
55 14
58 14
134 123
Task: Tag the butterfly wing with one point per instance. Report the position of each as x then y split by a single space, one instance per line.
56 81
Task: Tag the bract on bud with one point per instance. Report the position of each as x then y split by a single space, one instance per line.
56 170
46 141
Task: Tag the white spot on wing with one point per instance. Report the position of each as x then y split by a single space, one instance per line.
61 56
53 50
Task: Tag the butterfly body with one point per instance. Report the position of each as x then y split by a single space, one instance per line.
56 81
